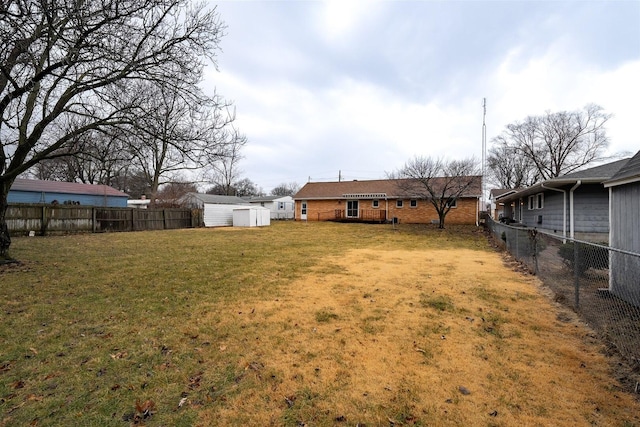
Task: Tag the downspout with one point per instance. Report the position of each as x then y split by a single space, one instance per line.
564 209
477 211
386 207
572 219
611 237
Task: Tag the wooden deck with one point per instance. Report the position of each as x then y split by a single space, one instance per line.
371 216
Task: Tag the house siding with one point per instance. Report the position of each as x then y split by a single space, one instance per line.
36 197
625 234
423 213
591 204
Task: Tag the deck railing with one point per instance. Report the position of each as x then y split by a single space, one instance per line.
363 215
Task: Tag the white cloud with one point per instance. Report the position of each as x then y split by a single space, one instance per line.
367 85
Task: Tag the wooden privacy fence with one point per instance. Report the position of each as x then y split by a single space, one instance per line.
61 219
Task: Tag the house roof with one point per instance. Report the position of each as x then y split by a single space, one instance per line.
499 192
371 189
594 175
628 173
39 186
216 199
267 199
261 199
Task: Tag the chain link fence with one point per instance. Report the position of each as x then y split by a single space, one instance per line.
600 283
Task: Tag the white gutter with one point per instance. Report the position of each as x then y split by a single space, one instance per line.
564 208
572 225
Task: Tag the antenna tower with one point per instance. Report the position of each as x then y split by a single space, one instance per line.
484 150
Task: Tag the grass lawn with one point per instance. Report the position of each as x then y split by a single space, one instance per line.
295 324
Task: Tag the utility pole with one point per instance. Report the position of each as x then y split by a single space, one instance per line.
484 151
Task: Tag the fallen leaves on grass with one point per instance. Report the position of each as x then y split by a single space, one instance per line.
143 411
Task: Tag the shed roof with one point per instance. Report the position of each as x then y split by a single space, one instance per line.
628 173
216 199
40 186
372 189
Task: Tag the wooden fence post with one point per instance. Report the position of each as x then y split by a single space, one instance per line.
43 223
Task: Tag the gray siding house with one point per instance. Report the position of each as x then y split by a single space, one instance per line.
281 207
624 193
575 205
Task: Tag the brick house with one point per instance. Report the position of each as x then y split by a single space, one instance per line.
380 201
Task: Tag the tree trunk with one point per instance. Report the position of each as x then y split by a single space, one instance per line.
441 216
5 239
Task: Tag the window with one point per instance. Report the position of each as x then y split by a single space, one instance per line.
413 203
398 203
375 203
280 206
536 201
453 203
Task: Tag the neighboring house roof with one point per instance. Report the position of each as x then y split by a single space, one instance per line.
215 199
500 192
261 199
372 189
595 175
39 186
627 174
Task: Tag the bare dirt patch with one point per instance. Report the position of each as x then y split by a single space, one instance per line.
415 337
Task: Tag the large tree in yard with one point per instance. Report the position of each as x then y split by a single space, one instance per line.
553 144
65 64
439 181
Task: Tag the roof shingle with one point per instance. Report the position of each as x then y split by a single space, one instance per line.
389 188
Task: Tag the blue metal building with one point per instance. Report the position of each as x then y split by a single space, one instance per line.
55 192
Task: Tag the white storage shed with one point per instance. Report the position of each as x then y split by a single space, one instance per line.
218 215
251 216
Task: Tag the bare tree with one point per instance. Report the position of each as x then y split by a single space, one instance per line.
179 128
285 189
170 193
507 168
241 188
247 188
559 143
95 157
439 181
224 169
62 61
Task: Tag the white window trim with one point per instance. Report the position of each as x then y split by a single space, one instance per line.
375 204
413 203
453 204
399 203
535 201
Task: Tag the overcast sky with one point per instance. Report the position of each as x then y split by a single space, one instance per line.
363 86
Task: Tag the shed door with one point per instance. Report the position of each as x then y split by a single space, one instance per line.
303 210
